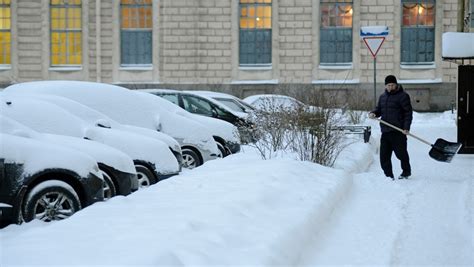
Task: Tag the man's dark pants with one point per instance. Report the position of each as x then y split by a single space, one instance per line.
396 142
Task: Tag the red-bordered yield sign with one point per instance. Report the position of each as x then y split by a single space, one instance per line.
373 37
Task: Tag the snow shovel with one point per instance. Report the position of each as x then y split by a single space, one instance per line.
441 150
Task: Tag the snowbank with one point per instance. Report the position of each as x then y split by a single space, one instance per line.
192 219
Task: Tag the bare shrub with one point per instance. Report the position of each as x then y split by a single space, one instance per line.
357 106
306 131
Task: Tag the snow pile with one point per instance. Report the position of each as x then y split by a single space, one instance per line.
458 45
258 211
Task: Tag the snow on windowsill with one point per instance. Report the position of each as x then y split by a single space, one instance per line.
418 66
420 81
256 67
255 82
65 68
5 67
336 66
353 81
136 67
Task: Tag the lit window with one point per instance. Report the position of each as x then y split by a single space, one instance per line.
418 31
336 32
255 32
136 32
66 32
5 32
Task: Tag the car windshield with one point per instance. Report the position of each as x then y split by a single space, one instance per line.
231 104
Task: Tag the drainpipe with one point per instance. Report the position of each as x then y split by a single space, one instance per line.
460 26
98 47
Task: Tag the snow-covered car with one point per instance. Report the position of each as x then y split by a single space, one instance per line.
267 102
132 108
44 181
209 107
237 105
93 116
152 158
117 168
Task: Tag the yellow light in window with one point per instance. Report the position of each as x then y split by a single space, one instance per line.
420 9
257 18
351 11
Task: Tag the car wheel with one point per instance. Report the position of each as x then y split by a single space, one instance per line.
221 150
145 176
109 187
51 200
190 159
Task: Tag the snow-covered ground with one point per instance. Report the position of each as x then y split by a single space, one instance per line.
242 210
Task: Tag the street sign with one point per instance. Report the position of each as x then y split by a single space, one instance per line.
374 43
373 37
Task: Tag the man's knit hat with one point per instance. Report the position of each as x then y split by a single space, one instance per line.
390 79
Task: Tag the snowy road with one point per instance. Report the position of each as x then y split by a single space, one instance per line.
421 221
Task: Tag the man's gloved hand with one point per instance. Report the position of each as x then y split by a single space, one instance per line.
372 115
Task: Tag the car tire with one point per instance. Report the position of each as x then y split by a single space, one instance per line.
109 187
51 200
222 151
191 159
145 176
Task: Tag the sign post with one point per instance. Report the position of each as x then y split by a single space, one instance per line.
373 37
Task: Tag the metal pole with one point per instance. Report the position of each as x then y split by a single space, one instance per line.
375 81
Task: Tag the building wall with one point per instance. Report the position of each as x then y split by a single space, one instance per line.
196 46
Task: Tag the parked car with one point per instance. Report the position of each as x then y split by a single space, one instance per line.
95 117
117 169
237 105
152 158
43 181
207 106
129 107
269 102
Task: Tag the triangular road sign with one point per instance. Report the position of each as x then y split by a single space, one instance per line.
374 43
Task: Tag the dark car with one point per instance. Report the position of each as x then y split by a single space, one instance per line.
203 105
43 181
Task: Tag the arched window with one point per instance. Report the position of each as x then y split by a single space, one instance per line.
66 32
136 23
336 32
418 31
5 32
255 32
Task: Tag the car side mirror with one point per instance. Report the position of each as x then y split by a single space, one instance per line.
103 124
214 113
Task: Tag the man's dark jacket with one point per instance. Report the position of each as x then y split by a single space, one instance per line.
394 108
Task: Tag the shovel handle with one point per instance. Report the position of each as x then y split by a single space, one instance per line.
402 131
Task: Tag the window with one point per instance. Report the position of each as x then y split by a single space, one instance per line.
255 32
418 31
472 13
173 98
5 32
136 32
197 105
336 32
66 32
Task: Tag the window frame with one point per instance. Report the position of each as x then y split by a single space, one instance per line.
418 28
147 30
6 47
338 29
258 32
66 5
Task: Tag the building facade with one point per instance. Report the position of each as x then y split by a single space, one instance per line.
241 47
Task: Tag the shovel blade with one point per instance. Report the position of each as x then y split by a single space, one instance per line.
443 150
